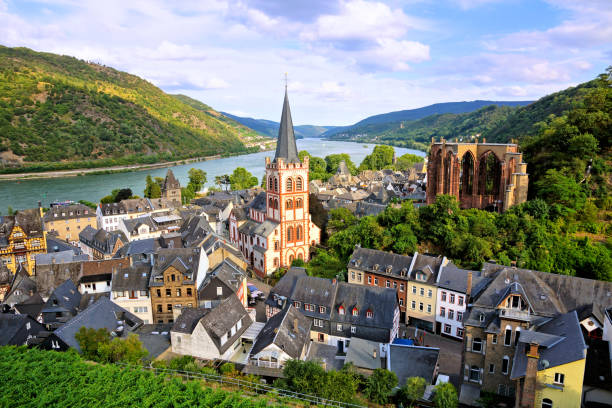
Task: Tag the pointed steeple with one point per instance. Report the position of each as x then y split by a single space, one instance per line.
285 145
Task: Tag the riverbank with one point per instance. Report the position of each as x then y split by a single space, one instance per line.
112 169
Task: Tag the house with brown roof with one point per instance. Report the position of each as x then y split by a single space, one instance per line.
68 220
22 237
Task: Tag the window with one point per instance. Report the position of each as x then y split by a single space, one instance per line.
369 280
547 403
505 364
401 301
369 314
298 184
508 336
401 287
477 345
341 310
289 185
289 204
318 323
474 373
339 327
224 339
501 389
394 285
444 296
159 308
189 292
376 281
442 312
517 334
353 329
355 312
143 293
459 316
178 292
296 304
353 275
173 277
460 300
321 309
413 305
422 292
321 337
459 332
388 283
28 326
429 293
289 234
494 339
451 298
428 308
447 329
169 307
451 314
559 378
275 184
414 289
168 292
421 306
299 203
491 368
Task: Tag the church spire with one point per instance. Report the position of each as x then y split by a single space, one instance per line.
285 145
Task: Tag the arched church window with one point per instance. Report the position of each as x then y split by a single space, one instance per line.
289 234
298 184
299 203
276 203
289 185
289 204
270 183
275 184
300 256
298 233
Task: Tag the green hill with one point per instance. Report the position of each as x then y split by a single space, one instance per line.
270 128
57 110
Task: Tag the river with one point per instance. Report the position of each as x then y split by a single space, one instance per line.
27 193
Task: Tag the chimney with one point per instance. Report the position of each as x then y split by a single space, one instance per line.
295 326
468 291
529 387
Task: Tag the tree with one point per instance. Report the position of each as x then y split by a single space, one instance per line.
128 350
123 194
197 179
152 189
380 158
445 396
557 188
412 391
223 181
379 385
90 339
241 179
407 160
333 161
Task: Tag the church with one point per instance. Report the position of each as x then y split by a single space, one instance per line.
275 228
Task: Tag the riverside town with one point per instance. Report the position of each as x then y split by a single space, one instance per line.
451 254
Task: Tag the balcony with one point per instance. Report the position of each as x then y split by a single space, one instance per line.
515 314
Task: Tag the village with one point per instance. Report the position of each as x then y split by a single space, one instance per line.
203 280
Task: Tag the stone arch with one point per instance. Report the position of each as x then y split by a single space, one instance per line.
290 257
466 183
289 185
489 177
299 184
271 203
448 173
436 170
300 255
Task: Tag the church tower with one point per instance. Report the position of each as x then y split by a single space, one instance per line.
287 196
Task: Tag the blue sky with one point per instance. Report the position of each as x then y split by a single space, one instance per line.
346 59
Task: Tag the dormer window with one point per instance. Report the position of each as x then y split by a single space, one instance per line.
369 314
375 267
296 304
355 311
403 272
389 268
341 310
421 276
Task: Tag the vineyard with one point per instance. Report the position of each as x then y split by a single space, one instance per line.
32 377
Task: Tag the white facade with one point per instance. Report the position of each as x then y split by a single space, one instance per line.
199 343
450 309
271 357
137 302
101 286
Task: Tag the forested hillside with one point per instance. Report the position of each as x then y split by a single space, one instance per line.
60 109
270 128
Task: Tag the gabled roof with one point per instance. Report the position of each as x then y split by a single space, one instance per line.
10 325
413 361
285 145
382 302
94 271
170 182
65 297
560 340
286 284
280 330
453 278
31 307
102 240
134 277
194 230
66 212
22 287
364 354
185 260
30 221
259 202
101 314
366 259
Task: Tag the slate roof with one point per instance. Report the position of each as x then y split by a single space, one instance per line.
65 297
428 264
68 212
562 343
230 274
170 182
366 259
239 213
194 230
95 271
59 257
31 306
57 245
413 361
265 228
102 240
259 202
29 220
131 278
10 325
279 330
361 353
315 290
285 145
22 287
101 314
453 278
382 302
132 224
185 260
189 319
286 284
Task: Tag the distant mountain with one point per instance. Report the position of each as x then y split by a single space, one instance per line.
61 112
420 113
270 128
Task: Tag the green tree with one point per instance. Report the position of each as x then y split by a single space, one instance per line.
223 181
152 189
197 179
241 179
333 161
90 340
380 158
123 194
445 396
128 350
556 188
379 385
412 391
406 161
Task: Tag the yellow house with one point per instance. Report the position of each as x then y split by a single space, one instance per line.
67 221
549 364
422 291
22 237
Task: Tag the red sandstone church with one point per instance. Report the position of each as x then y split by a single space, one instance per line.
276 228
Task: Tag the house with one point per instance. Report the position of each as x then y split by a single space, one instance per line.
101 314
549 363
413 361
16 329
455 288
101 244
224 280
67 221
515 302
195 231
130 290
339 310
109 215
171 188
6 278
96 275
279 228
210 333
31 306
22 237
21 287
421 299
176 275
366 356
150 225
284 337
62 305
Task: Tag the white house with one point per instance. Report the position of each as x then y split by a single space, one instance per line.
110 215
130 290
211 333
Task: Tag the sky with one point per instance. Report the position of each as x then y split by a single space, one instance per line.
345 59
